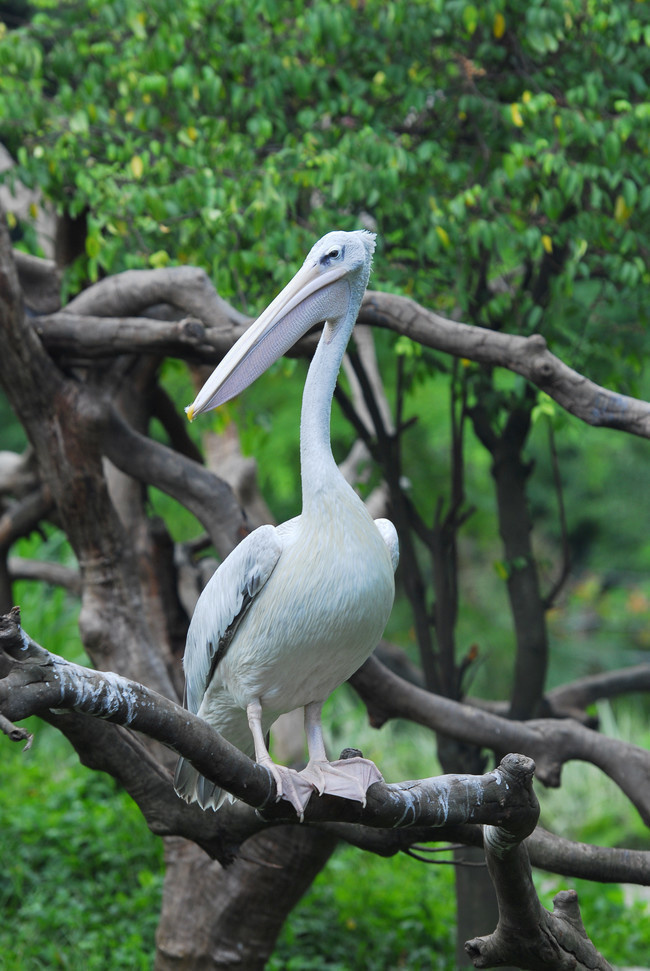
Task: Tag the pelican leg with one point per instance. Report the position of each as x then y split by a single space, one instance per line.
289 784
347 778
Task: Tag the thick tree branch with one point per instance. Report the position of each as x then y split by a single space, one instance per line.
37 681
528 356
187 288
527 935
82 338
550 742
546 850
34 682
577 695
207 496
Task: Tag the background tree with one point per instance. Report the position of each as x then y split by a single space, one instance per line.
503 167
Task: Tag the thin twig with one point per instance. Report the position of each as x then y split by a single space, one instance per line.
424 859
15 733
549 599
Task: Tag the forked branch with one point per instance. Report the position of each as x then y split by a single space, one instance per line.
36 681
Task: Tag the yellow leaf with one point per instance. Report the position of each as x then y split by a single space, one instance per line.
137 166
192 133
11 220
622 211
526 96
159 258
515 114
499 26
33 210
443 236
547 243
637 602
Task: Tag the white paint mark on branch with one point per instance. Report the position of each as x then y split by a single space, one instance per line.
103 694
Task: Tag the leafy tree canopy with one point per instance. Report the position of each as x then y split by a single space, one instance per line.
495 140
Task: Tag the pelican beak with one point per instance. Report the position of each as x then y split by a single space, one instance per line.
314 295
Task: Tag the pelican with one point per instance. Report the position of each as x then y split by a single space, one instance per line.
295 609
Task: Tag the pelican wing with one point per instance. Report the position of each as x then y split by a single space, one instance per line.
222 607
389 536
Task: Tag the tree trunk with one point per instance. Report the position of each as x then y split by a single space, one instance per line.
510 475
216 918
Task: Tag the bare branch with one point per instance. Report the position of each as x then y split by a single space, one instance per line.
188 288
527 935
55 573
40 281
550 742
528 356
608 684
86 337
38 681
24 515
586 861
14 732
208 497
546 850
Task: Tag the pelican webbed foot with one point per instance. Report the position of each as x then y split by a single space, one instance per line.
348 778
290 785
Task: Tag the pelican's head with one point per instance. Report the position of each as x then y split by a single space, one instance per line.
329 286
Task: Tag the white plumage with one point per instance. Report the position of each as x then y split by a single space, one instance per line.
295 609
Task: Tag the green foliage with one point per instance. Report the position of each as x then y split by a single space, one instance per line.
82 874
53 613
498 143
364 911
482 140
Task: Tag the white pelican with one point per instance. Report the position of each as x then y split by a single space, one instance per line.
295 609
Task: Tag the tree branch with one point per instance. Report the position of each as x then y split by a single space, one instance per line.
187 288
37 681
527 935
56 574
550 742
82 338
528 356
207 496
577 695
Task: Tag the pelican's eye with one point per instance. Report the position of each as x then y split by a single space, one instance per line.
334 254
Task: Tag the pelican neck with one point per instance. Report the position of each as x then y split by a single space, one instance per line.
318 469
